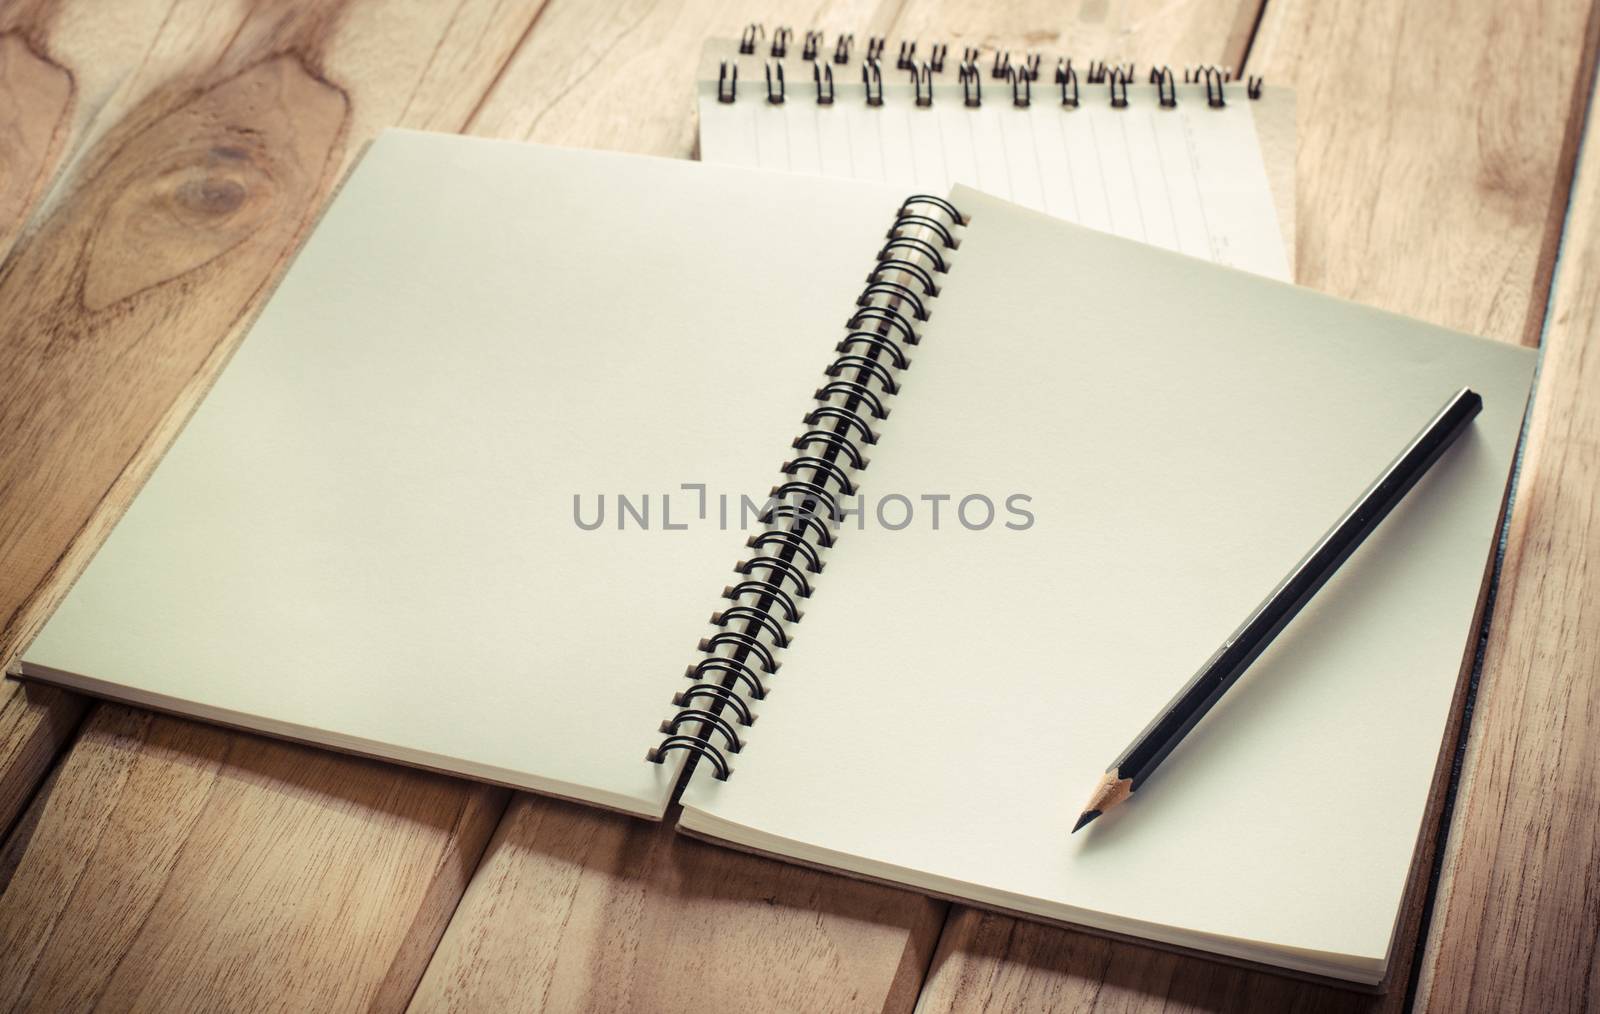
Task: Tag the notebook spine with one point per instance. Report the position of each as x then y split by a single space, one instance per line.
1019 72
801 517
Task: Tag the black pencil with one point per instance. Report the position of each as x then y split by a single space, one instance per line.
1223 668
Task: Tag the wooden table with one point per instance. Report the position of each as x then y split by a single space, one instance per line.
159 161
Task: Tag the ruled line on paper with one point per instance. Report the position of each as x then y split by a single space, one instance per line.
1133 175
1123 179
1172 210
1038 167
1189 145
1105 188
1072 177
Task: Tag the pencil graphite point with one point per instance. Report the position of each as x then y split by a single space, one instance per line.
1111 790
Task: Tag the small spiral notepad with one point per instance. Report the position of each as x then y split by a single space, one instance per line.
1169 157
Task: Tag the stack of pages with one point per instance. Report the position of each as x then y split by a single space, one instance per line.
467 493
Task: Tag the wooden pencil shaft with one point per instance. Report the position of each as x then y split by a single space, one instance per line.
1307 577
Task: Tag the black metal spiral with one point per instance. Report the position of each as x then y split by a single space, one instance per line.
1118 84
922 85
971 85
872 81
822 75
747 38
1166 87
1019 74
741 653
1021 87
1067 78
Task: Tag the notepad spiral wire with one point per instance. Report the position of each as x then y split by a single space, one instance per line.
861 381
1019 77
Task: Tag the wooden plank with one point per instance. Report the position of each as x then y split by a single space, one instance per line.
177 866
576 909
1517 922
35 100
1142 32
994 962
46 100
1389 161
35 723
192 170
1433 166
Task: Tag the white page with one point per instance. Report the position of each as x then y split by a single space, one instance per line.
1186 434
365 538
1190 178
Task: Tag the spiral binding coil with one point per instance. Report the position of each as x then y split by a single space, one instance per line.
740 655
1020 71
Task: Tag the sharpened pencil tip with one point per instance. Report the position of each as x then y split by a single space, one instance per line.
1111 790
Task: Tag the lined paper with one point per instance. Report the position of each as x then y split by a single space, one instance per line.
1190 179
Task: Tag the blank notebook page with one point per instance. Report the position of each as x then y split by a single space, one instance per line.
1186 433
365 537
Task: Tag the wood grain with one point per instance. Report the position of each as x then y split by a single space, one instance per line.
994 962
56 80
139 890
42 112
190 172
1517 921
1390 160
1179 34
74 307
35 724
1436 147
574 909
35 101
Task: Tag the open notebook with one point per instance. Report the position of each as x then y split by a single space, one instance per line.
1185 159
382 531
